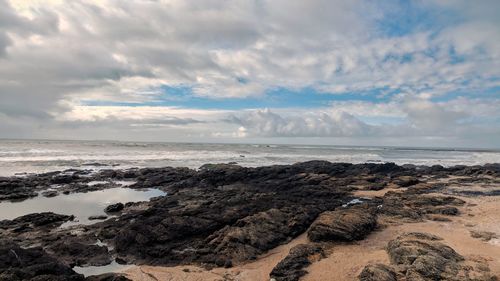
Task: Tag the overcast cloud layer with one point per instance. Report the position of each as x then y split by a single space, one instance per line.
329 72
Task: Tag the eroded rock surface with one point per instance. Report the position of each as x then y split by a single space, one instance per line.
424 257
343 225
377 272
113 208
37 220
416 207
33 264
419 256
292 267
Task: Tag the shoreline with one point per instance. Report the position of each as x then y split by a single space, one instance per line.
227 221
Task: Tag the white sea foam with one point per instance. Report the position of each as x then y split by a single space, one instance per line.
43 156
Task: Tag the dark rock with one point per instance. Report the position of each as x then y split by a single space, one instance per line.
98 217
376 186
76 252
343 225
34 264
45 219
95 164
406 181
377 272
113 208
223 214
64 179
258 233
15 189
291 268
50 193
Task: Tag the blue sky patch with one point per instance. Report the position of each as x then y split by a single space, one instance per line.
182 96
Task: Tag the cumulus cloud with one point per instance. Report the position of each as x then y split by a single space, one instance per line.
318 124
417 117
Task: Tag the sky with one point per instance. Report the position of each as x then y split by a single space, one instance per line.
352 72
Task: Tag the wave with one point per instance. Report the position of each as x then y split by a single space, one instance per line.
36 156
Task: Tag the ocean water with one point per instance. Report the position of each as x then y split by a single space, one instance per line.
23 156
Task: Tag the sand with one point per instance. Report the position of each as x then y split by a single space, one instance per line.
257 270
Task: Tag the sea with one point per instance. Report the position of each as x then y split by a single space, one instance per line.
18 157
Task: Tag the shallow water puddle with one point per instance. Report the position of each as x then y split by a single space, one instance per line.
354 201
81 205
96 270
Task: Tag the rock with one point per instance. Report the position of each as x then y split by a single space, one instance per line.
406 181
50 193
376 186
114 208
424 257
483 235
377 272
256 234
15 189
291 268
343 225
45 219
75 252
419 256
223 214
416 207
98 217
64 179
18 264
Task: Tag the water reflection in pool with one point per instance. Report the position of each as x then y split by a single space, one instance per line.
81 205
96 270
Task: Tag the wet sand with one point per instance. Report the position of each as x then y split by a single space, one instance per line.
258 270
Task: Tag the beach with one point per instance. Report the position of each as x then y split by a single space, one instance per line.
314 220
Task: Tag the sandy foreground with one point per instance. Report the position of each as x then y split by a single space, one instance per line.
344 261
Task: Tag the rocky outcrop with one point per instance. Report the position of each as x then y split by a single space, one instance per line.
34 264
419 256
343 225
98 217
424 257
253 235
222 215
416 207
377 272
114 208
483 235
77 253
406 181
292 267
15 189
37 220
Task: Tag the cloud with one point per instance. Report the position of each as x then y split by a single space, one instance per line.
417 117
269 124
56 57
